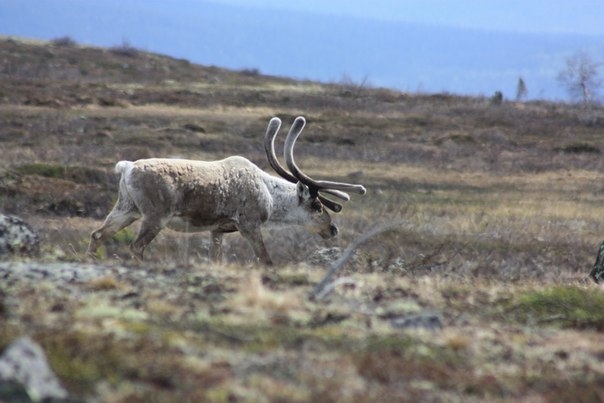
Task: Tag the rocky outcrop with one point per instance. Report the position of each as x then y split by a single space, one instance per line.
23 364
16 237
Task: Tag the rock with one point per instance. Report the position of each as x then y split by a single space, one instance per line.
24 363
597 272
428 321
194 127
16 237
324 256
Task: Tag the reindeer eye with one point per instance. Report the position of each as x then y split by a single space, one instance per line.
316 205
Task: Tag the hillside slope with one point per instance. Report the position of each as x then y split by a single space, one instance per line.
327 47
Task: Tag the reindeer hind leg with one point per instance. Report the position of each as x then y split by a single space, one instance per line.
123 214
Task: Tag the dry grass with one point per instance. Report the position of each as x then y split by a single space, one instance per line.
501 222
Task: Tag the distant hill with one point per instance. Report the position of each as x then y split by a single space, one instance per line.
405 56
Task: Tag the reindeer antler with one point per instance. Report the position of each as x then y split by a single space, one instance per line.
336 189
269 147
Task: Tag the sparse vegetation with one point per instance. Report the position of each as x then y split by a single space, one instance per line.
497 98
64 41
351 87
252 72
521 90
500 212
125 49
581 78
568 306
578 148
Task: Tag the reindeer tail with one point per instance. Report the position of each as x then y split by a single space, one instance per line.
122 166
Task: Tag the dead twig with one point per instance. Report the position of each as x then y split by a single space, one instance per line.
325 291
319 289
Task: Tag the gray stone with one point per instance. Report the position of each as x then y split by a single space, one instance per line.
324 256
428 321
16 237
24 362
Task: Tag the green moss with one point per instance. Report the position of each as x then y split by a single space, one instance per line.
390 359
46 170
266 337
393 343
100 309
73 173
80 360
565 306
125 237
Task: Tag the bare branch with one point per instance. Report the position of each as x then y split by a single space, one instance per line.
337 265
580 77
332 286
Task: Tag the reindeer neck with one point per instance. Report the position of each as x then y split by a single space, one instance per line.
285 200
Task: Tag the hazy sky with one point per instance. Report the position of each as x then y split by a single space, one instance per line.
578 16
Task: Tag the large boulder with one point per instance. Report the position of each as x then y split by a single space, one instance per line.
16 237
23 363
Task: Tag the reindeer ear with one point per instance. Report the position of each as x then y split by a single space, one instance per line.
303 191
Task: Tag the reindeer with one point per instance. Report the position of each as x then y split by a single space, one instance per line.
223 196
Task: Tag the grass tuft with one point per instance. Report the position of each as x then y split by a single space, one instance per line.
105 283
565 306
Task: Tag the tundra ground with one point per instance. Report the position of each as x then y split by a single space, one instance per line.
500 208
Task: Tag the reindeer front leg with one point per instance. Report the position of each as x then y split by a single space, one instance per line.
254 237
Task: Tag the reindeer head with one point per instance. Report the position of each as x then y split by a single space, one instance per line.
308 188
316 218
